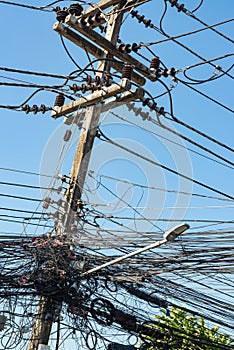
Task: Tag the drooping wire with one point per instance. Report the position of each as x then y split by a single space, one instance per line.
107 139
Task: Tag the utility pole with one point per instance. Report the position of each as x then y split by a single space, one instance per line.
48 309
89 127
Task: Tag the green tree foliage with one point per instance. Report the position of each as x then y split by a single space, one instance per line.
182 331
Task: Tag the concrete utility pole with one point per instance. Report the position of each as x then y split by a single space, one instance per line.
48 309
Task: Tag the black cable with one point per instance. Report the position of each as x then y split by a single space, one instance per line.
185 137
198 6
190 14
199 92
31 85
26 72
28 223
211 79
184 34
29 173
165 167
23 211
26 6
197 131
179 43
40 218
171 141
28 186
206 96
157 188
20 197
70 56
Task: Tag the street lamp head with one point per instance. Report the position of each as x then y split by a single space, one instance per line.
173 233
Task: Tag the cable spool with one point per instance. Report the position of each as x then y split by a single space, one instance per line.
155 62
61 15
59 101
127 71
75 9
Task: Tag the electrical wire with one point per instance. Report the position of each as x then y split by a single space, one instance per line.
105 138
171 141
28 172
160 189
185 34
199 132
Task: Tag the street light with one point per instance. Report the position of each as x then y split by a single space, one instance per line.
169 236
176 231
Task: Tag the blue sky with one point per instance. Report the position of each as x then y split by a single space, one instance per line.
137 192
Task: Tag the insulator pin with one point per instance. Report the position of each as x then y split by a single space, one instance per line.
153 106
61 15
59 189
26 109
108 79
165 73
89 79
56 214
127 71
128 48
98 80
75 9
121 47
43 108
35 109
75 87
141 18
180 7
145 102
97 17
135 47
155 62
59 101
138 111
60 202
47 202
90 20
